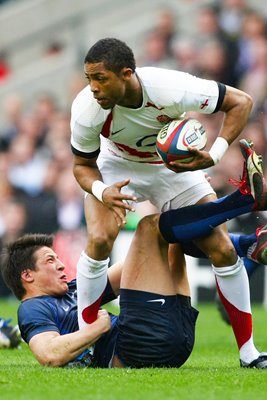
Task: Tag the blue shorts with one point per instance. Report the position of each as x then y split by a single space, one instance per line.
154 330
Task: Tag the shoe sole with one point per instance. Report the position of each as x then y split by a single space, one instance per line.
262 257
261 253
258 190
255 174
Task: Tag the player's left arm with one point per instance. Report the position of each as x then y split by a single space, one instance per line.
236 106
55 350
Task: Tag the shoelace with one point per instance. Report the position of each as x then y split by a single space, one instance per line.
243 184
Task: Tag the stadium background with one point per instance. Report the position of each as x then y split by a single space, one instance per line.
42 47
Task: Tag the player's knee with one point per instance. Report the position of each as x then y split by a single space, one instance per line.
224 254
102 242
148 226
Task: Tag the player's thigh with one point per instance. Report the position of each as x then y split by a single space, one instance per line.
146 265
178 270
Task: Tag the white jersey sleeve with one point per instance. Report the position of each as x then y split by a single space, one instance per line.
87 118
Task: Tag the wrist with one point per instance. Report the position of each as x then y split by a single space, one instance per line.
98 188
218 149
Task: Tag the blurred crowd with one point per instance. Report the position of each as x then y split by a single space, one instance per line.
38 192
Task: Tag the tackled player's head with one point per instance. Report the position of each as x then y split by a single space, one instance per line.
114 54
19 255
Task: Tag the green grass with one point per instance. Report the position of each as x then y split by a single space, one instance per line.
212 372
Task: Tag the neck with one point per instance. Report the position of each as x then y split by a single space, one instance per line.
133 97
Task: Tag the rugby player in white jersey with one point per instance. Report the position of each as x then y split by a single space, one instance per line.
114 123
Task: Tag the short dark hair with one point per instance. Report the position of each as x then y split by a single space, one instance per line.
114 53
20 255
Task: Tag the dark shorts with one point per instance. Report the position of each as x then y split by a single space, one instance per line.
154 330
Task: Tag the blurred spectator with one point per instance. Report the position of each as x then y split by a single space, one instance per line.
70 202
44 110
155 52
254 80
185 54
253 29
13 219
211 41
27 168
12 112
211 61
158 50
231 14
166 26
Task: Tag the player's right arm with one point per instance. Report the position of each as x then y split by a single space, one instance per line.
87 119
86 173
55 350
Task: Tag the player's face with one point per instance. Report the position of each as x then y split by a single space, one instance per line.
108 88
49 276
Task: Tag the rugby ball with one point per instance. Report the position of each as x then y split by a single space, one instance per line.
174 138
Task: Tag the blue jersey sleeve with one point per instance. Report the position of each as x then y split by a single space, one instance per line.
36 316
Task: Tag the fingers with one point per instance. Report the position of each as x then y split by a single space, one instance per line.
102 312
120 216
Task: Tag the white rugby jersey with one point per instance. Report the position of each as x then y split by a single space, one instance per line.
131 133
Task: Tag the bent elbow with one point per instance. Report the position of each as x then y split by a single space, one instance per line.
51 361
247 102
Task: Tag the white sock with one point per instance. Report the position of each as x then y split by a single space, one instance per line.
233 288
91 283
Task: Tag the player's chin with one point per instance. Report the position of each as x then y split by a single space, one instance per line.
64 288
105 104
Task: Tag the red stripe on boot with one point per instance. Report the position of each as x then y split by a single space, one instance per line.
241 321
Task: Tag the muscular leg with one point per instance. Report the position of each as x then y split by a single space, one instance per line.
102 228
93 263
146 265
231 278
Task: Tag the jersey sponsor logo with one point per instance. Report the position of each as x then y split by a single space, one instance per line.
66 308
162 301
119 130
164 119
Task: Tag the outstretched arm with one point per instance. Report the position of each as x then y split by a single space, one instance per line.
55 350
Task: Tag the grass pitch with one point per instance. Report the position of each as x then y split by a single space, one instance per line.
212 372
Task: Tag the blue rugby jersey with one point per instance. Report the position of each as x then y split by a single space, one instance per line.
50 313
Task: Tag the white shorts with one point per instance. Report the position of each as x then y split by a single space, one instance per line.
154 182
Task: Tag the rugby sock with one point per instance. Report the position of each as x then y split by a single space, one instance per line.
233 288
198 220
242 245
91 283
250 265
